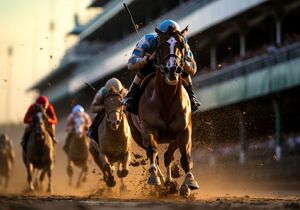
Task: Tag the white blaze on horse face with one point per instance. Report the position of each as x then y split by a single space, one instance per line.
78 122
171 61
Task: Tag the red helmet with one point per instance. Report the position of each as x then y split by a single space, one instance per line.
42 100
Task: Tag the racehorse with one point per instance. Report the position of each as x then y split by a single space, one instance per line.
39 155
114 139
164 114
6 160
78 151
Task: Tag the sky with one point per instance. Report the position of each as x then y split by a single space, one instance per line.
29 50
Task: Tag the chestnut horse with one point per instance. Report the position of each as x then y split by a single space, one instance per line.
165 112
39 155
114 139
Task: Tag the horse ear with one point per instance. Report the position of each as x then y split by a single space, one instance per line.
159 32
185 30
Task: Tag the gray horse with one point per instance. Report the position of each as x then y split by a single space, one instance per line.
114 139
78 151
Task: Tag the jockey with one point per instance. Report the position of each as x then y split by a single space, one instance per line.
97 105
141 61
77 113
52 119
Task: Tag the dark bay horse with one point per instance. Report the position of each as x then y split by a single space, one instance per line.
165 112
114 139
39 155
78 151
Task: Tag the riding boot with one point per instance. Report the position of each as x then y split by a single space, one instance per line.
25 138
131 100
92 131
194 102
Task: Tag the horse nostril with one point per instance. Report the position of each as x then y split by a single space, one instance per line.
118 122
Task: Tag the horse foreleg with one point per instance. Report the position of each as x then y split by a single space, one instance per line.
125 164
49 173
29 168
110 181
187 165
70 171
152 155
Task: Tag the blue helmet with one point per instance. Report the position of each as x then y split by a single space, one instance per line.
77 109
164 25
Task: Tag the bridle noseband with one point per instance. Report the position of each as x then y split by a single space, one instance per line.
182 59
114 110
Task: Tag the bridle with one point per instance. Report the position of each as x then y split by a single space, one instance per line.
120 111
161 65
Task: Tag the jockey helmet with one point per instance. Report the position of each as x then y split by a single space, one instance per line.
164 25
114 82
77 109
42 100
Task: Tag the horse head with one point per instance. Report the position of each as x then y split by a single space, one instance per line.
113 108
39 124
78 126
170 54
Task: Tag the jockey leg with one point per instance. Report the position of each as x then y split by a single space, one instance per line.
25 137
132 99
189 88
52 133
92 131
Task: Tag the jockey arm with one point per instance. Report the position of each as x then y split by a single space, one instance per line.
189 66
52 119
97 104
140 55
69 123
87 120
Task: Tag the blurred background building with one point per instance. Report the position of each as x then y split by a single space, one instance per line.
248 79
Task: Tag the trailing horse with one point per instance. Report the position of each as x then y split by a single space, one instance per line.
39 155
165 112
6 160
114 139
78 151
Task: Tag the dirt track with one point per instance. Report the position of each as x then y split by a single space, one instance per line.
68 202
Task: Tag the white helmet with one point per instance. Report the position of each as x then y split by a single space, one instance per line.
77 109
114 82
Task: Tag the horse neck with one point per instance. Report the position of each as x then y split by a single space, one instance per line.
168 93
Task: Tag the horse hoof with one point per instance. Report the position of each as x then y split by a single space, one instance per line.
122 173
107 168
191 182
172 187
84 179
110 181
184 191
154 180
50 190
31 189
